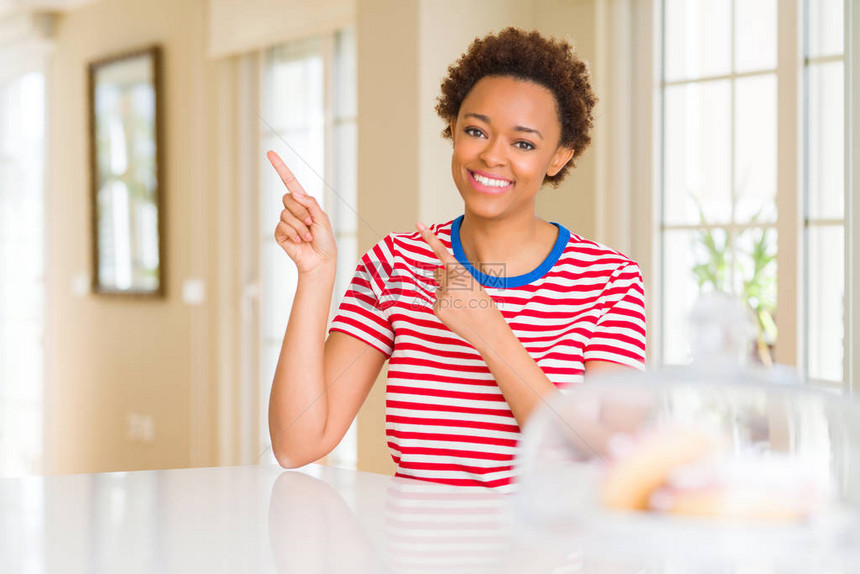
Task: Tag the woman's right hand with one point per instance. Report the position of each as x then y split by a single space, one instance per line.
304 230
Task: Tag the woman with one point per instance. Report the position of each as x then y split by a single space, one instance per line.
483 318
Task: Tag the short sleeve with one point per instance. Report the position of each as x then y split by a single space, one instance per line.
619 335
360 312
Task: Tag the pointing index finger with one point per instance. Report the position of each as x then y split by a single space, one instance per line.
287 176
435 244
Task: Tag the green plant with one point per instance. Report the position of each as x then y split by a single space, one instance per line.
758 289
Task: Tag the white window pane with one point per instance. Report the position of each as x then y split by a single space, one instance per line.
20 439
22 288
21 368
271 191
343 208
345 104
826 312
826 141
697 38
347 259
826 27
280 279
295 84
26 271
697 161
271 352
755 281
268 361
755 149
693 262
21 298
755 40
345 455
305 156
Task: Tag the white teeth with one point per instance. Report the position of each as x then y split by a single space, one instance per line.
490 182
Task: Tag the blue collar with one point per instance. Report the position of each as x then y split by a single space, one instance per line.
494 277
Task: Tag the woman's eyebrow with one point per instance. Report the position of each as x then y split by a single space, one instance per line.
486 120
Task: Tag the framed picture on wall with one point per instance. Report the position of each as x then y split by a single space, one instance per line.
127 174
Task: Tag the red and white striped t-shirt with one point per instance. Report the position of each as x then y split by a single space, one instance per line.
445 417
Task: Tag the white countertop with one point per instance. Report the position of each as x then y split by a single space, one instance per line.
321 519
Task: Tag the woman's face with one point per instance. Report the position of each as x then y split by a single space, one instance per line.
506 139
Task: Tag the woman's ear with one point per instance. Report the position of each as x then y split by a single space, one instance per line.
453 127
559 160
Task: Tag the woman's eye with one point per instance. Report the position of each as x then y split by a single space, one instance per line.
523 145
474 132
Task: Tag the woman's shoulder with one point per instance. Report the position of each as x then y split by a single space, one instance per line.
590 252
410 246
442 231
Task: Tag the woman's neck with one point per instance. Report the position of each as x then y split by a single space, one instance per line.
520 245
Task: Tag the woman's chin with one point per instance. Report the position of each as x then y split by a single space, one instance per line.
485 208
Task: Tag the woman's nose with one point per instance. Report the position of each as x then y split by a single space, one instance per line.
493 153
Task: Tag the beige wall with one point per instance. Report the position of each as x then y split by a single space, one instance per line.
111 357
573 203
442 39
388 164
446 29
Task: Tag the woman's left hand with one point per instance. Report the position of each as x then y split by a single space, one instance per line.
462 304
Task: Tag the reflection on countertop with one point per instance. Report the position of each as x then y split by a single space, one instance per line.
343 521
322 519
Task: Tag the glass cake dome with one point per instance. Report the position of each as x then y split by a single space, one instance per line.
715 464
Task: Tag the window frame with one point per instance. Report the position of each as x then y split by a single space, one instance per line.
733 228
852 193
646 167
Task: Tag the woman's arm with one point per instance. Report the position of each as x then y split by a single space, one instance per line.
521 380
319 384
472 314
298 405
318 387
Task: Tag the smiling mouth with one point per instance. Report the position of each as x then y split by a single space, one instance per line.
488 184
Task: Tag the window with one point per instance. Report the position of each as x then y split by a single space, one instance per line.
722 131
309 106
824 206
22 273
719 161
